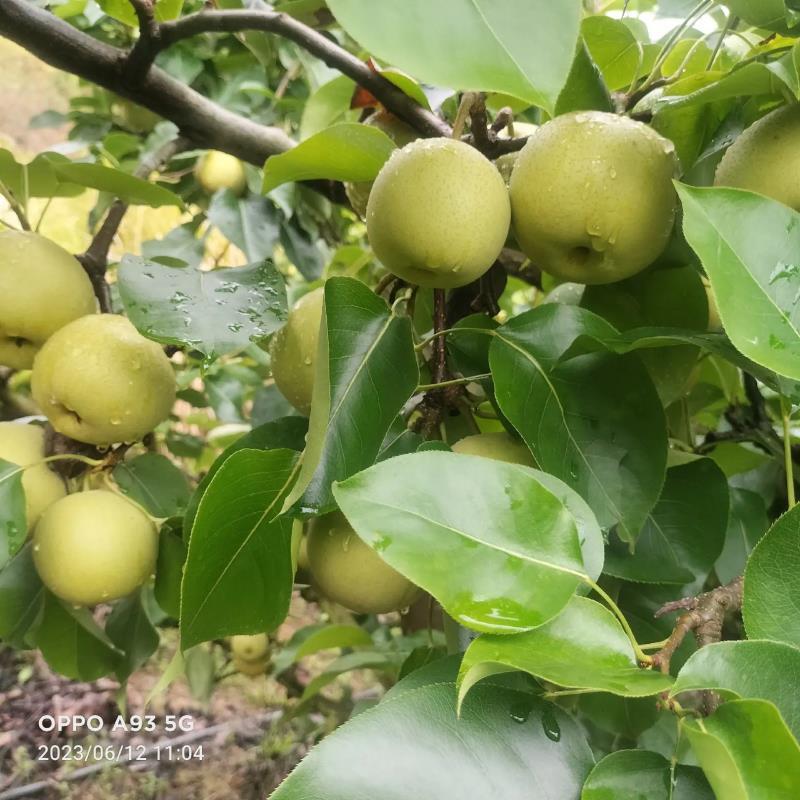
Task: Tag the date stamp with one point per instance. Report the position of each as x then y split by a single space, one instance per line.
174 749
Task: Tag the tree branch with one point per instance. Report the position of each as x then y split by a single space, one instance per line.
399 103
704 617
206 123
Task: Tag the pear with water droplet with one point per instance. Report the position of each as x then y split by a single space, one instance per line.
766 158
216 170
349 572
100 381
293 351
401 133
94 547
42 288
23 445
592 198
499 446
438 214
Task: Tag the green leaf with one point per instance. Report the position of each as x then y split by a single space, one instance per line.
126 187
520 47
314 638
748 669
366 370
216 312
252 223
21 597
238 574
288 433
122 10
326 106
747 523
684 533
584 647
505 744
614 49
594 421
154 482
747 752
748 246
35 179
13 522
648 300
584 89
513 544
643 775
132 632
771 606
169 572
345 152
73 644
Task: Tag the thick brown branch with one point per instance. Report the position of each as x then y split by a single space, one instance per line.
315 43
206 123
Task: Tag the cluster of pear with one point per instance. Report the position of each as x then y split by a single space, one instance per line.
589 199
98 381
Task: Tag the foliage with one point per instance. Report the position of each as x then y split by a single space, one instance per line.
660 410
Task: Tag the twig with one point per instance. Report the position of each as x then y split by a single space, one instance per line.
235 21
504 119
15 206
439 344
705 615
479 123
95 259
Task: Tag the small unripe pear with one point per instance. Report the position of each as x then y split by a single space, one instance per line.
216 170
42 288
250 648
592 197
94 547
505 163
293 351
499 446
350 572
250 668
766 158
23 445
100 381
438 214
400 133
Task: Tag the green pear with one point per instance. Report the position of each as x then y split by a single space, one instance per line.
42 288
98 380
766 158
250 648
23 445
438 214
505 163
350 572
216 170
592 198
400 133
499 446
293 351
94 547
